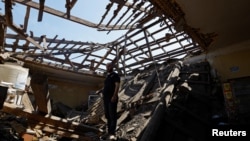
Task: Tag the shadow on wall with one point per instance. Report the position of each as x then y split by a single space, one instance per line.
228 62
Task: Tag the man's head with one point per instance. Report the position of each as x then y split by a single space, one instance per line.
109 67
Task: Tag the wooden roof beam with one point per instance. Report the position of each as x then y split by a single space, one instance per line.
26 19
103 58
41 8
69 5
115 13
139 31
62 61
144 46
8 12
3 30
75 19
26 37
122 16
61 41
68 60
156 41
16 28
128 4
84 60
108 7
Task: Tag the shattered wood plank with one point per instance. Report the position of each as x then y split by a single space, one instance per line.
49 119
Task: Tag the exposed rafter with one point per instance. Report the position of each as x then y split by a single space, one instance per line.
155 30
71 18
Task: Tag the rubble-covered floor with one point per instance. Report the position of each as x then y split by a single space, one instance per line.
169 101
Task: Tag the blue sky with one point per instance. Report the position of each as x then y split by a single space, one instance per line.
91 10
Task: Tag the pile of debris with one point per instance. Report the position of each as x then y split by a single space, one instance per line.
166 100
13 128
173 97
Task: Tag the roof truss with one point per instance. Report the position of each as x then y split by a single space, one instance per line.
155 31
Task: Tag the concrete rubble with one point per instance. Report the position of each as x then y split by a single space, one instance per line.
165 100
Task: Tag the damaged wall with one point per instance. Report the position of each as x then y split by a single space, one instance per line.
229 62
70 93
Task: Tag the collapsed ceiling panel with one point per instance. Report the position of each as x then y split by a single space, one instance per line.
149 31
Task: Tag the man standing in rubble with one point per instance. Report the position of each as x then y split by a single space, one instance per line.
110 98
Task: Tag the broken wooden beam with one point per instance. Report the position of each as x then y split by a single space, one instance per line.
60 14
58 124
8 12
41 7
3 29
22 34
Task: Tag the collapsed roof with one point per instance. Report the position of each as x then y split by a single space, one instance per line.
151 31
175 102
